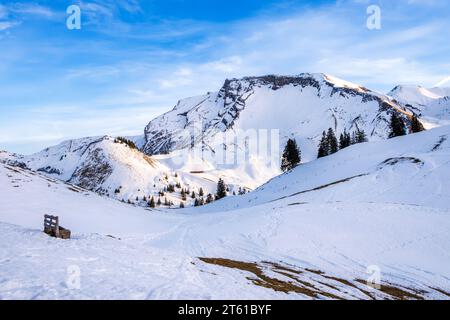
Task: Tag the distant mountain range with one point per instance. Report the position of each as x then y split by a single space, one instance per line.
300 107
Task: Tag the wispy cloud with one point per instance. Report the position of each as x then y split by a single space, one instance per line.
5 25
127 65
32 9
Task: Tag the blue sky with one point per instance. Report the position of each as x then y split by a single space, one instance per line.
132 60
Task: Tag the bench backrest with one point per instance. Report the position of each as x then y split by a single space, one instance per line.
52 222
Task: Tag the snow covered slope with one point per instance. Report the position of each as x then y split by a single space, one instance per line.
432 105
300 106
312 233
104 165
410 170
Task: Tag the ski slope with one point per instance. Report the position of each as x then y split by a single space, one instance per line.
312 233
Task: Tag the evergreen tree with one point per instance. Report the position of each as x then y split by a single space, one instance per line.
181 205
159 202
353 139
151 204
291 156
196 203
344 140
209 198
221 190
323 146
201 193
416 125
332 142
397 126
360 136
193 195
166 203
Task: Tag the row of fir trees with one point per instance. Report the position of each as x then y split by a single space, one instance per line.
329 143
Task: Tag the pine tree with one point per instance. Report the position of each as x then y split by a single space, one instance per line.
159 202
183 195
181 205
344 140
291 156
360 136
353 139
151 204
221 190
201 193
342 144
193 195
196 203
348 139
416 125
332 142
397 126
323 146
209 198
166 203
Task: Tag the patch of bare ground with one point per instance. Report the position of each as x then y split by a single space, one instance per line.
349 284
73 189
395 292
277 266
262 280
150 161
314 283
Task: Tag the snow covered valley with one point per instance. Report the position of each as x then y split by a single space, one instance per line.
320 231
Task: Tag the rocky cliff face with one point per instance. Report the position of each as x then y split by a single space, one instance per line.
299 106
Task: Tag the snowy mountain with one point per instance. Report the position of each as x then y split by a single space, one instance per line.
300 106
432 105
186 146
312 233
113 168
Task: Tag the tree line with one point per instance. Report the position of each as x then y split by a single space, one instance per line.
329 144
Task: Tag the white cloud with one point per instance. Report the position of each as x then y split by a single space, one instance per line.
4 25
143 82
32 9
443 82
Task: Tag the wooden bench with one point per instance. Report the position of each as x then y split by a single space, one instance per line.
53 229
